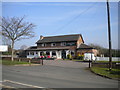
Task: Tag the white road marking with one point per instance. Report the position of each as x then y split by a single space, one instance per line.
23 84
2 81
6 86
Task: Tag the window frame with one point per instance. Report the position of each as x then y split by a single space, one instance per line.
63 43
43 44
52 44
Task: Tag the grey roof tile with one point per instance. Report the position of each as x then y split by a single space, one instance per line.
84 46
73 37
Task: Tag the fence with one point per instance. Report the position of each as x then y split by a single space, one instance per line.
107 58
36 61
15 56
115 65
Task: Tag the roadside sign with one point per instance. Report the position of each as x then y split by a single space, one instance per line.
3 48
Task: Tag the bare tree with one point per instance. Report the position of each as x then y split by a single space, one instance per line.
15 29
6 41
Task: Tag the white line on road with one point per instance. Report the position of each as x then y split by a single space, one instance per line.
2 81
6 86
23 84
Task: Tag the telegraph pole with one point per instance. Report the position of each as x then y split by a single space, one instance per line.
109 37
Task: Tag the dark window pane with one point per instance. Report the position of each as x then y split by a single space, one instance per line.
47 53
53 53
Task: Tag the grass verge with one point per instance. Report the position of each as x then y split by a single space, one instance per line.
114 73
8 62
95 61
108 61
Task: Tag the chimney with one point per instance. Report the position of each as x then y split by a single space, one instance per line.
41 37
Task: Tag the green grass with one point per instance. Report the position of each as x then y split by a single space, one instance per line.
95 61
0 61
114 73
8 62
108 61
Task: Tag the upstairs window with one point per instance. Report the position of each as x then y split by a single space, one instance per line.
63 43
71 44
53 44
43 44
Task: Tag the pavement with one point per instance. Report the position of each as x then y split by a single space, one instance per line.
54 74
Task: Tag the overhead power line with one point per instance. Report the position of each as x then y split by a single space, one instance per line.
71 21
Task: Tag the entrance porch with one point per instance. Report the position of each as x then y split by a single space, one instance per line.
58 54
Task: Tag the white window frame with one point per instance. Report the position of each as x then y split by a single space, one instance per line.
52 44
63 43
43 44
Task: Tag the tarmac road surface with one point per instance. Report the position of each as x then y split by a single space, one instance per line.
54 74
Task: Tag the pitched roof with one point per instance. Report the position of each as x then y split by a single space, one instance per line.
73 37
84 46
32 47
49 48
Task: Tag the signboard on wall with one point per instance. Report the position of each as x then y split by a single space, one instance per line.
3 48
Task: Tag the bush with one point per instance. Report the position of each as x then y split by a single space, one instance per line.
80 57
69 56
6 53
44 55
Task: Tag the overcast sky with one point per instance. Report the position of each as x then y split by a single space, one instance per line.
63 18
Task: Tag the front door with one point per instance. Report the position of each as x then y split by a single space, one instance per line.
63 54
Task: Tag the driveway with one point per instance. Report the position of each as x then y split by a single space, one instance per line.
54 74
65 63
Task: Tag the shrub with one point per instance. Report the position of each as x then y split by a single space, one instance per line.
44 55
69 56
80 57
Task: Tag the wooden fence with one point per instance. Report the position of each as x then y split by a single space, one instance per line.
105 65
37 61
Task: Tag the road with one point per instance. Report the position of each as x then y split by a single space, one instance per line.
54 74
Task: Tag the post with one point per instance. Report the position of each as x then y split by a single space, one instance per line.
89 63
30 62
39 60
19 59
91 59
42 61
109 37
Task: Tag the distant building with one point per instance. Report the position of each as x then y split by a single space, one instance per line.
59 46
